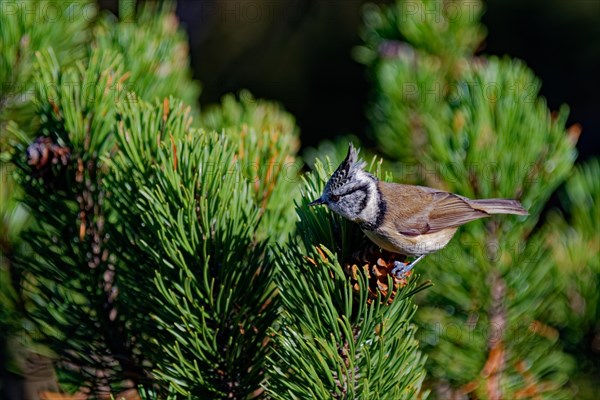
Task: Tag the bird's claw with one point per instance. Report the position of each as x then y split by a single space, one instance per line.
401 269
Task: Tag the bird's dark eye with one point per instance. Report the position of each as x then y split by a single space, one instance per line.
335 198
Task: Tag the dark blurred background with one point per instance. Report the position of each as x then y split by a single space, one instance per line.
298 52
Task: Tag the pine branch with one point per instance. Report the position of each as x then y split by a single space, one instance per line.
26 29
190 218
155 49
268 139
71 276
335 340
416 52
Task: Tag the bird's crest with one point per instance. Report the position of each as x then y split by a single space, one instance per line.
346 170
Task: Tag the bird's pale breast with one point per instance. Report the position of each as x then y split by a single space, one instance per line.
410 245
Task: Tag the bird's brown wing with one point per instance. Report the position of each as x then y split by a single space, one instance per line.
420 210
451 210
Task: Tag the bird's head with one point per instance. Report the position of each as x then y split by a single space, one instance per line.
349 190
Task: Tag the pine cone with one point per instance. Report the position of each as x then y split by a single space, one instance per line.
48 161
377 265
43 153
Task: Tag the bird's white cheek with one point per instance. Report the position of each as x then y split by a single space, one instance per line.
341 211
369 213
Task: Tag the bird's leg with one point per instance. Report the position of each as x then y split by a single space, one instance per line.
401 268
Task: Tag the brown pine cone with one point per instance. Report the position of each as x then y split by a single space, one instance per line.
43 153
377 265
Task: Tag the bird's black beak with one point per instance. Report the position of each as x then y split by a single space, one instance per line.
318 201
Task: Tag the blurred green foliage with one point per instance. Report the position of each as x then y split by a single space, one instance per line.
477 126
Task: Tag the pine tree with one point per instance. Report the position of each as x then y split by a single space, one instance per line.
190 237
109 290
26 29
475 126
69 274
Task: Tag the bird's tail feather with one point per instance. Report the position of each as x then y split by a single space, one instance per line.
499 206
